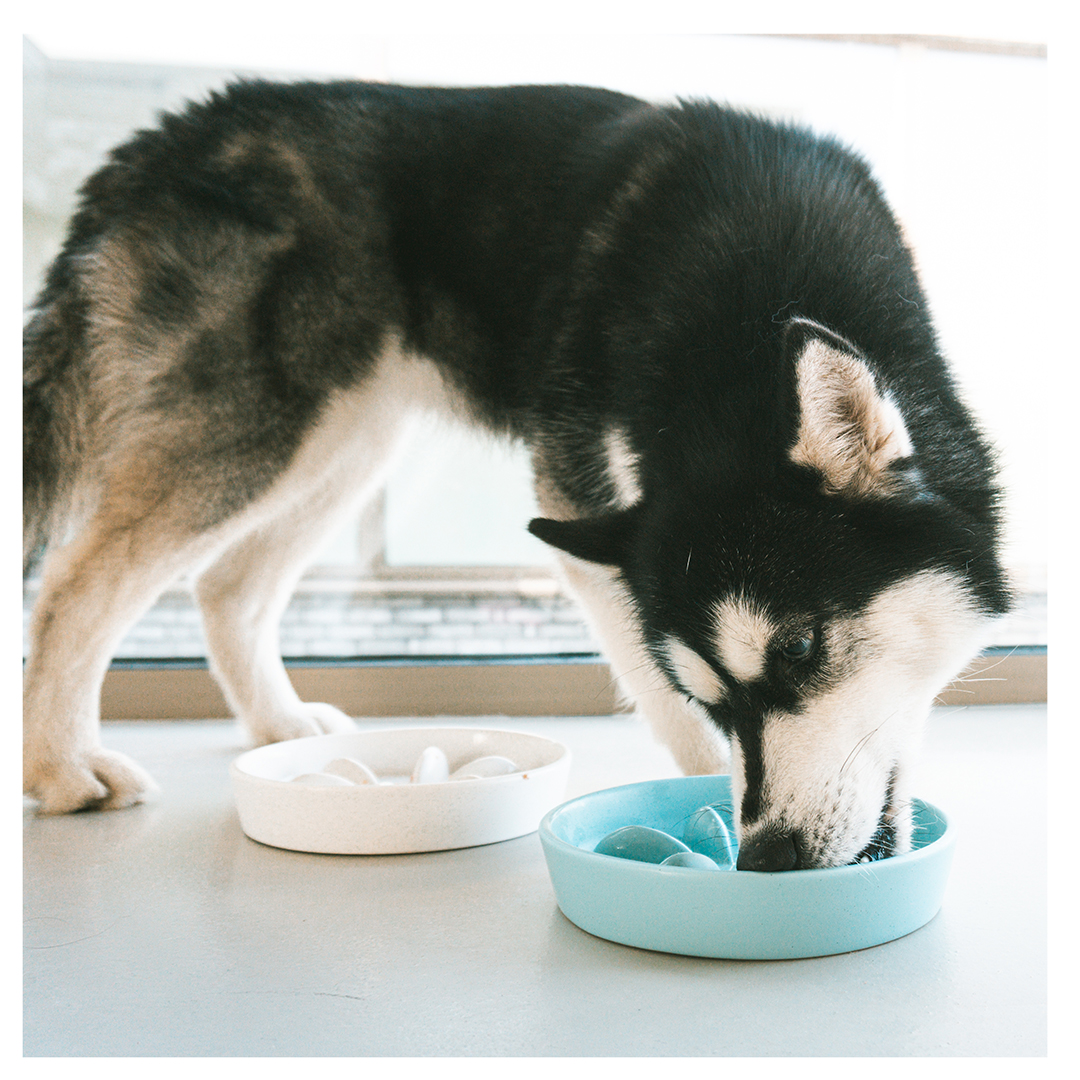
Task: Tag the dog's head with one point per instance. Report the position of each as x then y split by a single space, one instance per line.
813 615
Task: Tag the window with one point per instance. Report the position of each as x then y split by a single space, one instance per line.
443 568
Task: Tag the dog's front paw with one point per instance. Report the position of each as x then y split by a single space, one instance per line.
92 780
315 718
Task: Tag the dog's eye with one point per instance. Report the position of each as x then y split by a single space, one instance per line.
799 648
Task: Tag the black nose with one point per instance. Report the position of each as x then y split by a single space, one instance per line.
769 850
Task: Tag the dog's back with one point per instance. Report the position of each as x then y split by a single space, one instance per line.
254 252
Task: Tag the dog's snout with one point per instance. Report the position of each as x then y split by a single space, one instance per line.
769 850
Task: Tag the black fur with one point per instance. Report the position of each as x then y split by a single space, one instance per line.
575 262
461 218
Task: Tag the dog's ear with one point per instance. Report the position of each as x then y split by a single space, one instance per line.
603 539
848 429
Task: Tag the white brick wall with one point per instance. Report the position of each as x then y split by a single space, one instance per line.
350 624
318 624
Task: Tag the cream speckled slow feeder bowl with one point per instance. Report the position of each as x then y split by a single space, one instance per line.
397 817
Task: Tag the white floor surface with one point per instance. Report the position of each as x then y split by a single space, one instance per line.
163 931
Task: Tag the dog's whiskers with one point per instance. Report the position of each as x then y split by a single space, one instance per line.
861 744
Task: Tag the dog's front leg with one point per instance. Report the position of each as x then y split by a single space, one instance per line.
242 597
696 744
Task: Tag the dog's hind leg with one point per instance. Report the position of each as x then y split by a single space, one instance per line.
92 590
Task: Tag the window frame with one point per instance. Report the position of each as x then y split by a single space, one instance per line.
558 685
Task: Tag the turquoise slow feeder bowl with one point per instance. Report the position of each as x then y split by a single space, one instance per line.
738 915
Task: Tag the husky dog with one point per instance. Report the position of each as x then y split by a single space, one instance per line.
705 327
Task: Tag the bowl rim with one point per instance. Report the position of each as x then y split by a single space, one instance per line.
932 849
239 772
